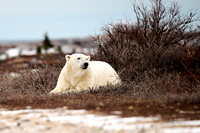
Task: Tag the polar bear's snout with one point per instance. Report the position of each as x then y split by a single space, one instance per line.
85 65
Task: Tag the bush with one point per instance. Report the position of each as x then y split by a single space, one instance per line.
161 41
158 40
32 82
39 50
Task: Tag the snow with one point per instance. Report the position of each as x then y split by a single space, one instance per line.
13 52
14 74
28 52
17 51
3 57
94 121
182 130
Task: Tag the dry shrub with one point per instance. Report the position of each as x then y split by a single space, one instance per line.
157 42
32 82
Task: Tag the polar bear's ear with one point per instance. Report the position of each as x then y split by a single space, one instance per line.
88 57
67 57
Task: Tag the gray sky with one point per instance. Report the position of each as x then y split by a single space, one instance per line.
30 19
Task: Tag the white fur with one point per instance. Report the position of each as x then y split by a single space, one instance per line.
74 77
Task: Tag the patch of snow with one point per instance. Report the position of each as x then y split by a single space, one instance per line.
184 123
28 52
116 112
13 52
62 119
82 117
3 56
35 70
14 74
49 51
181 130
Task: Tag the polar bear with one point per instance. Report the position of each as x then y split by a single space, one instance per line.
79 73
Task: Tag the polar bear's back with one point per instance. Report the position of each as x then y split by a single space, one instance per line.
103 74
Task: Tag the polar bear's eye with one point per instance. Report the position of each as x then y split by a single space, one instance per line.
78 58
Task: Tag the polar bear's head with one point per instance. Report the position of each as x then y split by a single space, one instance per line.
78 61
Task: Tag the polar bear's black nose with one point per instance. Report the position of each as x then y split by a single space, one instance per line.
86 64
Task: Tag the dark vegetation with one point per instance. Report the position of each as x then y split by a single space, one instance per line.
157 58
47 44
160 50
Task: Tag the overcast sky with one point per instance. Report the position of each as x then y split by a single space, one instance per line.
30 19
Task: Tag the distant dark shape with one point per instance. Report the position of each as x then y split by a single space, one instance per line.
47 43
76 42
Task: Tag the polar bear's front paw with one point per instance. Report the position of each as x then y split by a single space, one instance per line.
54 91
58 91
71 90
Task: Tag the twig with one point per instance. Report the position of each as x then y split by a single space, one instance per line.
189 71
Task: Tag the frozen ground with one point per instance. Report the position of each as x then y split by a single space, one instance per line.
17 51
80 121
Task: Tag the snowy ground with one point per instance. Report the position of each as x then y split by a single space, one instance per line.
17 51
78 121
